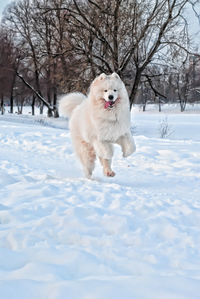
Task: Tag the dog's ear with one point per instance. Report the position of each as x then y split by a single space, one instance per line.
102 76
115 75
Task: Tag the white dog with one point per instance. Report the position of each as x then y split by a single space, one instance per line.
98 121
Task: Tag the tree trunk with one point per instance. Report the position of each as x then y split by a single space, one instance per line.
55 102
33 105
2 105
41 108
183 105
11 93
11 102
56 114
49 111
21 106
135 87
159 104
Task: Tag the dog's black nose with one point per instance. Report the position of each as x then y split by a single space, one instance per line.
111 97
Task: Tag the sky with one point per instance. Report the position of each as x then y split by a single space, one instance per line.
3 4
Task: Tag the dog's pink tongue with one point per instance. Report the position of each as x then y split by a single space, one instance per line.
107 104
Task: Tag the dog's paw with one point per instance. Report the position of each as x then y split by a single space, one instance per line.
88 173
109 173
127 153
129 150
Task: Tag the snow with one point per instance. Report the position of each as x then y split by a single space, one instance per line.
132 236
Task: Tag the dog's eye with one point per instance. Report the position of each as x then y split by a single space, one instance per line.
115 90
105 90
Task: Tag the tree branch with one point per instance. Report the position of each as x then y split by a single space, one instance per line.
35 92
156 92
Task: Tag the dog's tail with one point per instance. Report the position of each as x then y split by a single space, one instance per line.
69 102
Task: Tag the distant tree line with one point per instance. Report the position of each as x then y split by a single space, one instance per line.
50 47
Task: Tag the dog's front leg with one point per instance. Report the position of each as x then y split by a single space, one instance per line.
107 167
127 144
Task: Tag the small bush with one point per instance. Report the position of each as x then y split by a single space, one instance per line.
165 130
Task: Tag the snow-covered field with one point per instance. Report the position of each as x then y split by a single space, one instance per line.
134 236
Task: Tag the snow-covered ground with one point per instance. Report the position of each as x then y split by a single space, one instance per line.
134 236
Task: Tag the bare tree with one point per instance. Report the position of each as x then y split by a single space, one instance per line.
127 36
19 18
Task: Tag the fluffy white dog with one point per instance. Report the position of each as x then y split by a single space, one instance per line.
98 121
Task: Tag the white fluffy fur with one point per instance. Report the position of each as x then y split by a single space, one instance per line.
69 102
95 127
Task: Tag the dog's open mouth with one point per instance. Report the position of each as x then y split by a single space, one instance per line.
109 104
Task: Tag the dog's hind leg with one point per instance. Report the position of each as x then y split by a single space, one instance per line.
103 149
87 157
107 167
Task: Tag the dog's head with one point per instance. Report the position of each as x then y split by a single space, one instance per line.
107 89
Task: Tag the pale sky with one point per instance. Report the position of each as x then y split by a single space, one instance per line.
3 4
